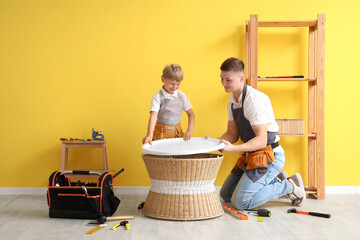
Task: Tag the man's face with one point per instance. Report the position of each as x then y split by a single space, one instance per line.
231 80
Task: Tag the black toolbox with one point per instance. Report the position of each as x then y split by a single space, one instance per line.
77 199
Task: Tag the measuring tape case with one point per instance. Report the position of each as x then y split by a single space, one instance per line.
85 200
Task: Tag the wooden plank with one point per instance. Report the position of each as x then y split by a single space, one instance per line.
309 135
320 115
253 51
311 108
247 53
288 79
309 23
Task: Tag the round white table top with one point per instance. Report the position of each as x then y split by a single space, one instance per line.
177 146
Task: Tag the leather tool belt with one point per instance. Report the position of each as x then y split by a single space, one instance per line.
162 131
256 159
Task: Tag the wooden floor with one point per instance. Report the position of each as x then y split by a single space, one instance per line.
26 217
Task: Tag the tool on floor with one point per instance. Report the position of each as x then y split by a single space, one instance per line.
97 135
102 219
260 219
235 213
122 223
262 212
141 205
324 215
96 228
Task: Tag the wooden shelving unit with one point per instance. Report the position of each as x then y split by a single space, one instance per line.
315 82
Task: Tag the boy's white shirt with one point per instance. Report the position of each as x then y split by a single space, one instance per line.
162 94
257 109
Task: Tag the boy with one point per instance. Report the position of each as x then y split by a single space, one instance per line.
167 106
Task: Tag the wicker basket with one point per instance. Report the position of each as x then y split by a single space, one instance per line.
183 187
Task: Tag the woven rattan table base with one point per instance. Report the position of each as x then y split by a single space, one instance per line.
182 207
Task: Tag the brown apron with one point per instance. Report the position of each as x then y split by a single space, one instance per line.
162 131
254 164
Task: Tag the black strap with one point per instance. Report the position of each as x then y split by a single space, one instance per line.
274 145
243 97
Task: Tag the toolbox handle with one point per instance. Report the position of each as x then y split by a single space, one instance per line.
81 172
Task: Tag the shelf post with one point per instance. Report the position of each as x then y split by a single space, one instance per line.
253 37
311 108
320 115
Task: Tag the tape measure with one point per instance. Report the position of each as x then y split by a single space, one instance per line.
96 228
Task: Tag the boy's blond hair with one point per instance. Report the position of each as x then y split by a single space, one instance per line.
173 71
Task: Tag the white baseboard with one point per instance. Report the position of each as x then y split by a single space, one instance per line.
145 190
342 189
23 190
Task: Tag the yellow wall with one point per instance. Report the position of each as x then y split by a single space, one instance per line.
69 66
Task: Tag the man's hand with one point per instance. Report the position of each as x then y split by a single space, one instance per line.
228 147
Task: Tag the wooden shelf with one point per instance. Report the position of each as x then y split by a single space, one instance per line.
298 135
315 80
310 23
288 79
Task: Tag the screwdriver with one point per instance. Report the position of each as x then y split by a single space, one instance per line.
262 212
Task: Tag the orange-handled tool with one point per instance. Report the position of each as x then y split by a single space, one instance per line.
324 215
235 213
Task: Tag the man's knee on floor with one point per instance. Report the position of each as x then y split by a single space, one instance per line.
240 203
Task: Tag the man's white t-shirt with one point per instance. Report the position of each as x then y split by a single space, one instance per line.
257 109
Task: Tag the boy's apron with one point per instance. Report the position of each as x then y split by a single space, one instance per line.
169 118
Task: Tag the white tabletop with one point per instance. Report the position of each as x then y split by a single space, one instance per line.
177 146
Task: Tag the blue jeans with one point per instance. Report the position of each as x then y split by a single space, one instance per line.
246 194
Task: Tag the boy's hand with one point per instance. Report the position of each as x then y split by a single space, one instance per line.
147 139
187 136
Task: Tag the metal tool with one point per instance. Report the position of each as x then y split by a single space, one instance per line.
97 135
102 219
324 215
261 212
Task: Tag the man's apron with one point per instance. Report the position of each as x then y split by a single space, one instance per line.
169 118
254 164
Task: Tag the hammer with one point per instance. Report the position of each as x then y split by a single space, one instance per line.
324 215
102 219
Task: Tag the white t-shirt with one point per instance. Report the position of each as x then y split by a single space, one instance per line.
157 99
257 109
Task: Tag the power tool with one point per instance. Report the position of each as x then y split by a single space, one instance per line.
97 135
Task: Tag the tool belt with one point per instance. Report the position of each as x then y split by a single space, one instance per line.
256 159
162 131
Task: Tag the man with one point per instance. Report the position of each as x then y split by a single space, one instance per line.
253 180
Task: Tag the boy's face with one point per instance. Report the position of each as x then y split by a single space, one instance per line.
232 81
170 85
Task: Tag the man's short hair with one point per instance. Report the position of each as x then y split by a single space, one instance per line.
232 64
173 71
